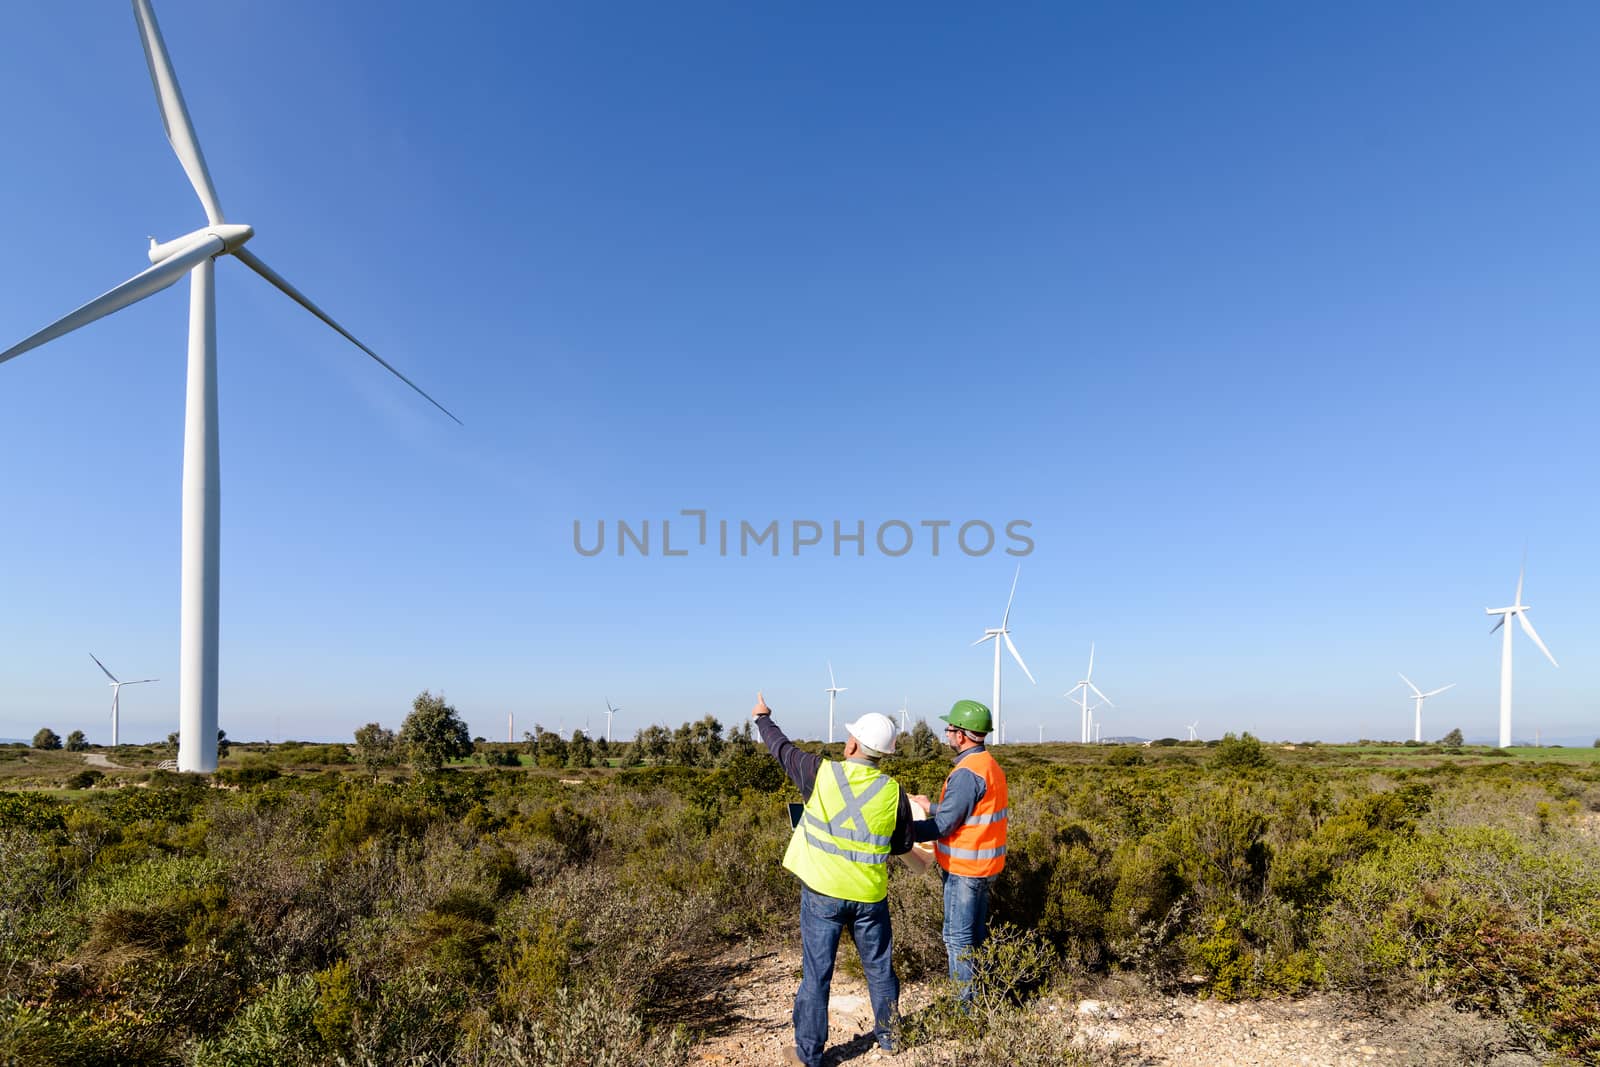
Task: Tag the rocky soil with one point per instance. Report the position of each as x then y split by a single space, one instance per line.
745 1013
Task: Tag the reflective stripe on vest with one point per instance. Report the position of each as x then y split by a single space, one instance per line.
984 820
840 848
977 848
969 853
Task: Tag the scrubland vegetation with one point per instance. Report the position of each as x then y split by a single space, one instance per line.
302 907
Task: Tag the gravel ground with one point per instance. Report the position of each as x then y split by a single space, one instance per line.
749 1026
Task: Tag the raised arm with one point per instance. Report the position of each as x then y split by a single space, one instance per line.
800 766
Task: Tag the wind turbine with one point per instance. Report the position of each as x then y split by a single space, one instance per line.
116 693
1083 689
1519 611
610 711
1191 727
1003 633
1419 696
193 254
904 711
833 690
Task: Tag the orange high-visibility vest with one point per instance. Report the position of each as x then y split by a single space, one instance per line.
977 848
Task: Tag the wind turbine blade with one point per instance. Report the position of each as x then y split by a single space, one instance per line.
981 640
138 681
1090 672
1006 617
1437 691
1521 574
1101 695
1412 684
1018 657
145 283
174 114
832 681
1497 625
252 261
1527 628
102 666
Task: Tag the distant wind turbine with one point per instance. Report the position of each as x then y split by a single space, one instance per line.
116 693
1419 696
193 254
903 713
1191 728
610 711
1519 611
1083 689
997 635
833 690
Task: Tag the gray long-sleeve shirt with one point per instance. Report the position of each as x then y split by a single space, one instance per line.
962 791
802 767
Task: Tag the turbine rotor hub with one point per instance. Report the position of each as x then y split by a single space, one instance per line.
233 235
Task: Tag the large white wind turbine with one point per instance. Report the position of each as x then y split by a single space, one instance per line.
193 254
905 712
833 690
610 711
1419 696
116 694
1083 689
997 635
1519 611
1191 728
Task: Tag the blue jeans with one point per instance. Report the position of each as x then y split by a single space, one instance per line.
822 920
966 924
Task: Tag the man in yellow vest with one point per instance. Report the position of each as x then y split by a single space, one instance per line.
968 828
855 817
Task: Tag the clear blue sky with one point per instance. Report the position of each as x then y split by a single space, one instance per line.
1278 324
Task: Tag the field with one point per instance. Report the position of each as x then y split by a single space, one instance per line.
310 904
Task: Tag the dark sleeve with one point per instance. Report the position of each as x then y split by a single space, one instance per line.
901 842
800 766
962 791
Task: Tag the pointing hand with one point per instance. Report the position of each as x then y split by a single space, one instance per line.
761 707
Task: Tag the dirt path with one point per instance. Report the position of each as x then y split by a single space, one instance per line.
750 1026
95 759
756 1005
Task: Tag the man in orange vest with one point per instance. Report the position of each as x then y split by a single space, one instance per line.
968 828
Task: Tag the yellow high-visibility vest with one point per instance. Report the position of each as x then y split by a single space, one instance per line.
841 846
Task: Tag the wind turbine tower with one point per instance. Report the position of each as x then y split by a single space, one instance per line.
1191 729
1419 696
1519 611
610 711
116 692
833 690
904 712
193 254
997 635
1083 689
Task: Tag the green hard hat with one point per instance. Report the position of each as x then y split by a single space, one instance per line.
969 715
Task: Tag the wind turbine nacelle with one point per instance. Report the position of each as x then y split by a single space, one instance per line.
231 234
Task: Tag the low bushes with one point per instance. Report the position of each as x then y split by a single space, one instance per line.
504 916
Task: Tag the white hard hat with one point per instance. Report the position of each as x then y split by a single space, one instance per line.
875 731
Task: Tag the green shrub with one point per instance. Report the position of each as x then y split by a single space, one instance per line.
1240 753
30 811
276 1029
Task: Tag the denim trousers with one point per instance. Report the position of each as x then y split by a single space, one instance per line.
822 920
966 924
